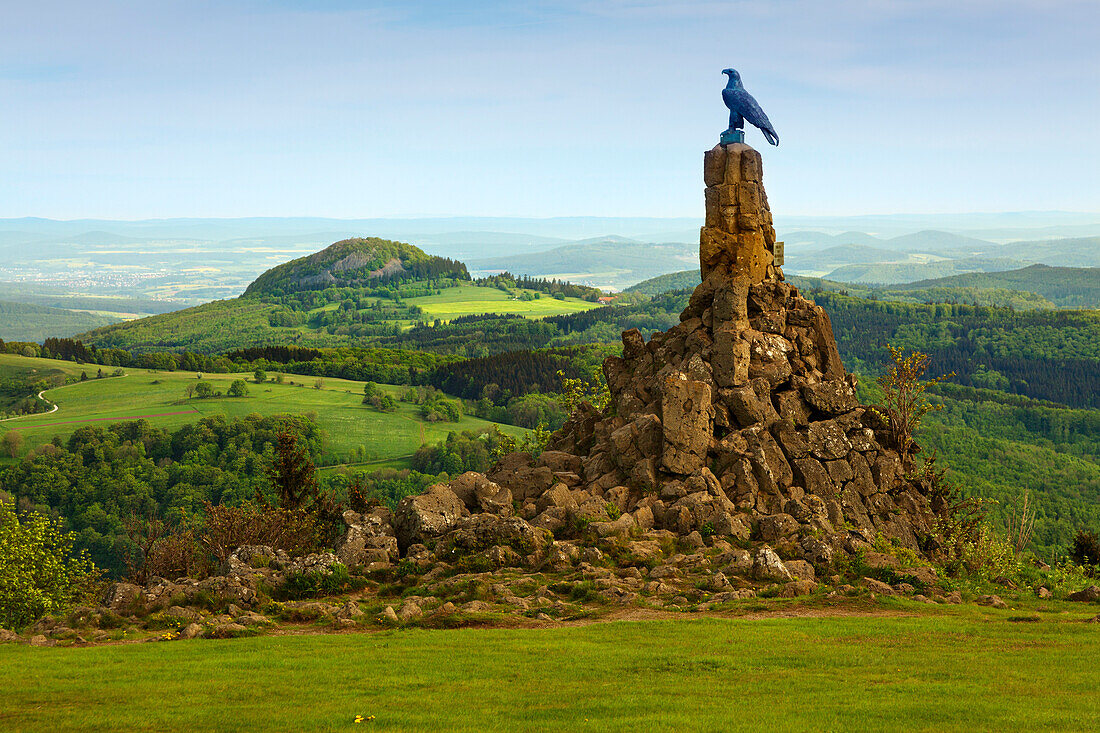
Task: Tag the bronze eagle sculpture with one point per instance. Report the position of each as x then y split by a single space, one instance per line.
743 106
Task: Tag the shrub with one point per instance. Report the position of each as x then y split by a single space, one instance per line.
238 388
312 584
260 376
1086 549
226 528
293 474
904 391
38 572
12 443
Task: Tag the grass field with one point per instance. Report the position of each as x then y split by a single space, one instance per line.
960 669
159 398
466 300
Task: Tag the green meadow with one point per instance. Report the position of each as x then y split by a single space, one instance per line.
466 300
157 396
962 668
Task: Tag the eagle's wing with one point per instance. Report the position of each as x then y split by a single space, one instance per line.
729 96
751 111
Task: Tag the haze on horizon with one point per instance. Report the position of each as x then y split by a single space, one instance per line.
348 109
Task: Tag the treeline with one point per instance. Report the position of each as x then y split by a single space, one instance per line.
103 476
554 288
273 354
1047 355
390 366
512 373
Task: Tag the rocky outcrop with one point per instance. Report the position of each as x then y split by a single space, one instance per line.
740 424
738 231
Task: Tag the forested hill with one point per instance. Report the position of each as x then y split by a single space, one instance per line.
356 263
1066 287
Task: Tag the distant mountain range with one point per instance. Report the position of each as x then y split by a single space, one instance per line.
1033 287
607 262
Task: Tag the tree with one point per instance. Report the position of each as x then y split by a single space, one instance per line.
38 572
318 383
905 403
292 473
84 376
189 391
12 442
371 391
260 376
204 389
239 388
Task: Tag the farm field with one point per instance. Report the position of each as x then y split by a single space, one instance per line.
466 300
957 668
159 398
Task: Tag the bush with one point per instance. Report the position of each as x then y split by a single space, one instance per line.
1086 549
313 584
226 528
38 572
238 388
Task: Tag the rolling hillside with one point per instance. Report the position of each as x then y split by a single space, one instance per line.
893 273
354 292
27 322
1065 287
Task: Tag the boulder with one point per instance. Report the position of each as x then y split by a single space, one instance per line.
833 397
1088 595
797 588
191 631
483 531
369 538
122 596
428 515
776 527
767 565
479 494
526 481
877 586
801 569
687 417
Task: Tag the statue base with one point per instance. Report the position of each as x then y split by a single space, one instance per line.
731 136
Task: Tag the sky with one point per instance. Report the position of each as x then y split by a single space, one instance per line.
350 109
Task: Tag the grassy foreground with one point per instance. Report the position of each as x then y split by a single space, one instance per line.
961 669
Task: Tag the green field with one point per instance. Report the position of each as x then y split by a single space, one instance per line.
159 398
466 300
963 668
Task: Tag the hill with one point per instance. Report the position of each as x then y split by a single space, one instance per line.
892 273
356 263
1065 287
682 280
353 432
1076 252
353 292
28 322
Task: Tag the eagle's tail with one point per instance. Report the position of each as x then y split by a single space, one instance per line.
771 135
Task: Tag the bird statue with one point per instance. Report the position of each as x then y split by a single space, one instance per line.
743 107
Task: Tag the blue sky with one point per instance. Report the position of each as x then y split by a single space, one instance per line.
364 109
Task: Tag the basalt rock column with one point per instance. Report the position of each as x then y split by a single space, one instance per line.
738 233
